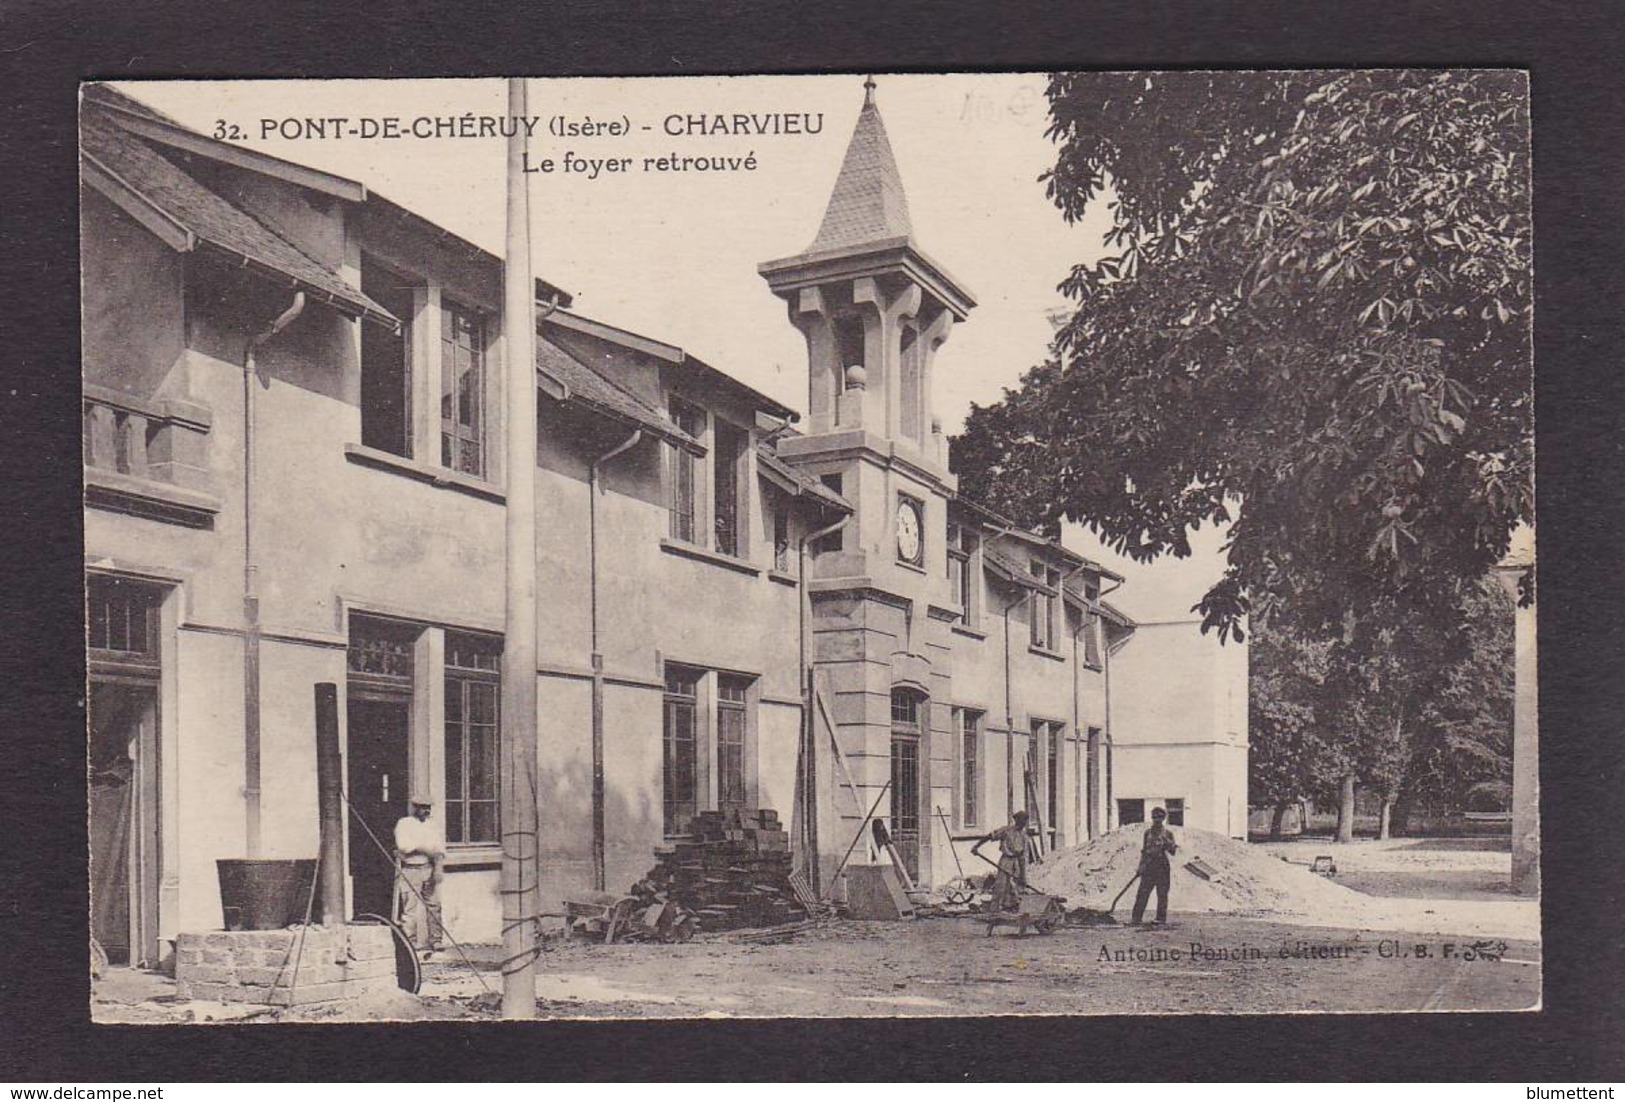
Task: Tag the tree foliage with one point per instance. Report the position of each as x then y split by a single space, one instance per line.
1464 738
1313 324
1426 716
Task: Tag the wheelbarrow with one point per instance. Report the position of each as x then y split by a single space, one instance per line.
1034 909
601 916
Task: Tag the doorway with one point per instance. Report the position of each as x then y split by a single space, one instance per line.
124 830
905 779
379 727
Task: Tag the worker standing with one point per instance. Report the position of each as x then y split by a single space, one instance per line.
1155 871
420 857
1012 873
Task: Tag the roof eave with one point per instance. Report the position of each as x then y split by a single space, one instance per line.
191 141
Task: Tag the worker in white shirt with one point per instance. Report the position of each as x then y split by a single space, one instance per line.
420 857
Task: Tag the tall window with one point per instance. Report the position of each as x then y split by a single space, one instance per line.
960 545
386 364
728 454
969 725
731 701
683 470
462 389
1175 806
1091 626
1054 736
681 772
781 540
1045 607
473 737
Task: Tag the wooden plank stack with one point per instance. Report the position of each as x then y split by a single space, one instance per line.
732 871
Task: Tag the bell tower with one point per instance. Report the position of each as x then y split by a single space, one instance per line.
874 309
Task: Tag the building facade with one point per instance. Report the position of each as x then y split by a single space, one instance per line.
293 447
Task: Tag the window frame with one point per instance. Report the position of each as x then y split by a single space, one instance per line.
685 475
969 781
733 706
479 433
675 701
1042 607
408 291
730 487
1176 814
961 545
460 680
1092 628
145 598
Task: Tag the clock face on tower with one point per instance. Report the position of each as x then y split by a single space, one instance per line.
908 531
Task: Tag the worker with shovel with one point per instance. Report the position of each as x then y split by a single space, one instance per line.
1155 871
1012 873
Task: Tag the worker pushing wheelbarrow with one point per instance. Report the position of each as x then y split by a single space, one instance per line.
1016 902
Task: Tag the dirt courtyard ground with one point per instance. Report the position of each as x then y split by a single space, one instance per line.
1454 939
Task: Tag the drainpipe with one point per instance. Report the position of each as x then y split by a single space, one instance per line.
809 740
598 659
1106 676
251 593
1009 716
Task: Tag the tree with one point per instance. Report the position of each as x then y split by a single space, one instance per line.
1427 714
1287 758
1313 325
1464 742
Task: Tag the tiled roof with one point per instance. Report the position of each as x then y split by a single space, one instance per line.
591 389
112 97
805 484
1012 571
868 204
211 218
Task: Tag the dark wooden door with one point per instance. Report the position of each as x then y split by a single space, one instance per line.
378 792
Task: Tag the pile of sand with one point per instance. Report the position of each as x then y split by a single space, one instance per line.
1245 879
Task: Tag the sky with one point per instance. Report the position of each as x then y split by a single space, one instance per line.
673 256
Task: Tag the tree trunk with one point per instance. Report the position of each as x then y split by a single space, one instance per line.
1402 815
1275 822
1386 820
1345 810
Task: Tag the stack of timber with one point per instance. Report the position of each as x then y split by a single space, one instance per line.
732 872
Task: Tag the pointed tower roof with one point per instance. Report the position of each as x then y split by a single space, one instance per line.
868 205
866 228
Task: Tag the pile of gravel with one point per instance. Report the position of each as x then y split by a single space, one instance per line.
1244 879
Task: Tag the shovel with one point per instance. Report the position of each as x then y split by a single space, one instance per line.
1121 894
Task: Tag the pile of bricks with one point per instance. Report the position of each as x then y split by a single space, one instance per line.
258 966
732 871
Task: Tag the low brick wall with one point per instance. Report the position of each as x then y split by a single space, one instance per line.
258 966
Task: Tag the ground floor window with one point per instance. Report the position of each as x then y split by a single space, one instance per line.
969 725
1049 739
681 749
732 695
473 738
1130 811
708 730
1175 807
